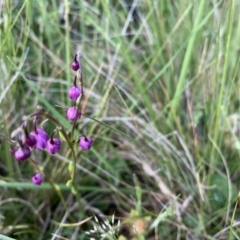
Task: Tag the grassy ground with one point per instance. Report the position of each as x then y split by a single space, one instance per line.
161 103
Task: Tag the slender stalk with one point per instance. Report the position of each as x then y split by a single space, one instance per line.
67 36
78 57
186 61
232 219
43 113
224 77
8 139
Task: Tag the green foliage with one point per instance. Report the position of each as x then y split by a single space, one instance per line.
220 194
161 83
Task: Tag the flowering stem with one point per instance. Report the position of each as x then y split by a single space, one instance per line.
78 58
43 113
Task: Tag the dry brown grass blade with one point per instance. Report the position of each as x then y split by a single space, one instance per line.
73 224
59 237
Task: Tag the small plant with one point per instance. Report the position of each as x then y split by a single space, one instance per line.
104 229
23 143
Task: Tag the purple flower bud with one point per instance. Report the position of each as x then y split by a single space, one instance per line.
41 137
73 113
53 145
22 153
31 140
75 65
85 143
37 179
74 92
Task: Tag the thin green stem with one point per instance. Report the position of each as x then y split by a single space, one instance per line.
232 219
43 113
186 61
224 77
80 77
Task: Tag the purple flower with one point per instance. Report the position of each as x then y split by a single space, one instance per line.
74 92
41 137
85 143
75 65
53 145
31 140
22 153
73 113
37 179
